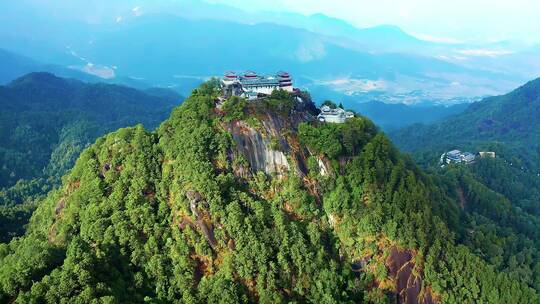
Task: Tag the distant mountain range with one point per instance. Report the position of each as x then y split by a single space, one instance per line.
15 65
509 122
179 46
46 121
395 116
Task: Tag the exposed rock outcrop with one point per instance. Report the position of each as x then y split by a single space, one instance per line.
265 148
257 149
408 284
199 208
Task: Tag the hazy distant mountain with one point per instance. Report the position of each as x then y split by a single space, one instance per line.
184 45
396 116
14 65
163 49
46 120
196 40
509 123
380 39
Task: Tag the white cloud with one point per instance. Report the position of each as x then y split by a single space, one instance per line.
99 70
452 58
483 52
119 19
437 39
137 11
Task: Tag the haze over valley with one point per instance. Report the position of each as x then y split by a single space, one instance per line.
180 45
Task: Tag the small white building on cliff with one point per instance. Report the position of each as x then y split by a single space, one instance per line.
336 115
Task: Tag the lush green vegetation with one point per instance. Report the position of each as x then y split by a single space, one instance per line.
162 217
335 140
508 124
493 226
234 108
499 212
46 122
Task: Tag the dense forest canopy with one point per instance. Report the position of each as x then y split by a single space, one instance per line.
46 122
499 198
180 215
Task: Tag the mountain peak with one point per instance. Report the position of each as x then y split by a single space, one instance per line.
533 85
226 187
38 77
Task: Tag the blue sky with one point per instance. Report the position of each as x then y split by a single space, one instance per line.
446 20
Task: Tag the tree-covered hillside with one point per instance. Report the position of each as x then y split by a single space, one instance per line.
499 212
508 123
47 121
248 202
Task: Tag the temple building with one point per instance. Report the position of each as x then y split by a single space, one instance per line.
336 115
487 154
251 86
457 157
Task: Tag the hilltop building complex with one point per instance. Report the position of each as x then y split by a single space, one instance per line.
457 157
251 86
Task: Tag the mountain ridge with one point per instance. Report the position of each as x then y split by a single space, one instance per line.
38 106
183 213
494 118
499 194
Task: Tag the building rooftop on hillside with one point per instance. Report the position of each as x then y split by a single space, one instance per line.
487 154
336 115
454 155
467 157
457 157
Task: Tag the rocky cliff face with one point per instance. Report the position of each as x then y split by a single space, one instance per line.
257 148
401 265
267 147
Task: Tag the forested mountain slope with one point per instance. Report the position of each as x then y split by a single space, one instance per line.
46 121
510 122
248 203
40 110
499 212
